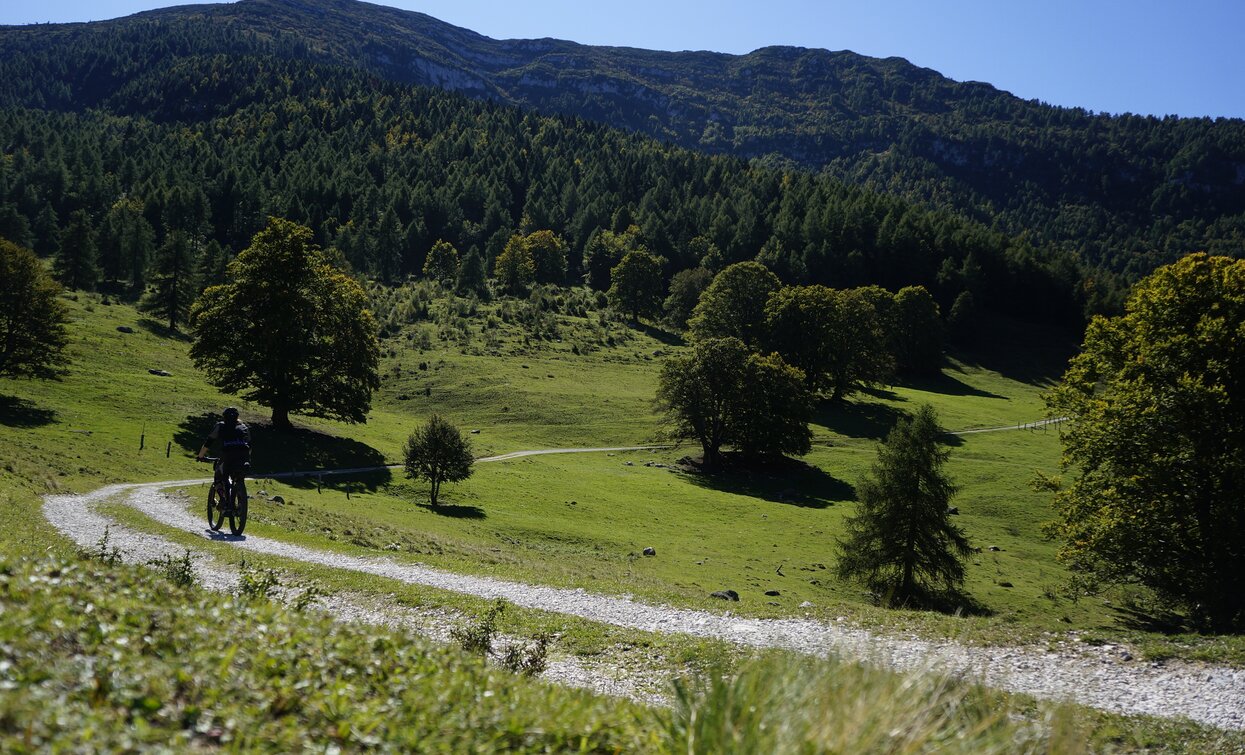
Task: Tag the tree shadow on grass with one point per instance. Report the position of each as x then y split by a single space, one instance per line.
275 452
1025 352
952 602
18 412
857 419
667 337
944 384
454 510
162 330
1159 621
780 480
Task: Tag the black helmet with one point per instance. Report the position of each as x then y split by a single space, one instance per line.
230 414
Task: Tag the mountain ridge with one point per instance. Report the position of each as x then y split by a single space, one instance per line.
1122 192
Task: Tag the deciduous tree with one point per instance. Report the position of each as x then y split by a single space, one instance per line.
733 306
832 335
32 318
720 393
289 331
635 285
1157 443
514 267
901 542
437 452
548 251
918 331
685 289
441 264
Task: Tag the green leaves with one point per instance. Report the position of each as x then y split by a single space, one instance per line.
438 452
110 658
289 330
32 319
901 542
1158 442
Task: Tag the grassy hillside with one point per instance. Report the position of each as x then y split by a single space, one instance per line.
522 387
529 375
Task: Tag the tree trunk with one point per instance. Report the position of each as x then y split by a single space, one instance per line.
436 485
281 417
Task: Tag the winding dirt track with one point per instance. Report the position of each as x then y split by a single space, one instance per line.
1093 676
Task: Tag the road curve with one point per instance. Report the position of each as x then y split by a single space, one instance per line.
1093 676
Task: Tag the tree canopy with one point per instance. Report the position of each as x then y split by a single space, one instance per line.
901 542
636 285
721 393
733 306
437 452
441 264
288 330
834 336
1157 443
32 319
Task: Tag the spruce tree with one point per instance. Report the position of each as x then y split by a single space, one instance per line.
901 542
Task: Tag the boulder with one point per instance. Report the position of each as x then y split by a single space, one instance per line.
725 595
772 593
650 551
160 373
124 329
994 548
953 510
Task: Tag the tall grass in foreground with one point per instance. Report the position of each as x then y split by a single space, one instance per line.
781 704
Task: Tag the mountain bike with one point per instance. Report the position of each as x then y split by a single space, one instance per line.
226 498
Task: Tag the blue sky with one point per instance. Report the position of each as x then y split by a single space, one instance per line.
1183 57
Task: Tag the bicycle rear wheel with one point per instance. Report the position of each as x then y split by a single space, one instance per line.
237 515
215 512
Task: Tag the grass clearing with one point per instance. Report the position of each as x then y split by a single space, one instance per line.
539 373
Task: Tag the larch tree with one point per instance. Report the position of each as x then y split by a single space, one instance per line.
901 542
173 286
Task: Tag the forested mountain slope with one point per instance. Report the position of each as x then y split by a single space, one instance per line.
211 144
1123 193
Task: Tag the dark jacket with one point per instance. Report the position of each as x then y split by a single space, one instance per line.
235 442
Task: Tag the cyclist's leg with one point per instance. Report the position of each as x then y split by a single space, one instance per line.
237 472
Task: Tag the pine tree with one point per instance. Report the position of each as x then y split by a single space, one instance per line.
901 542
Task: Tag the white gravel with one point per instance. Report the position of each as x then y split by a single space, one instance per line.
1093 676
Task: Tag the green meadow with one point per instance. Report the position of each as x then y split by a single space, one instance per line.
565 374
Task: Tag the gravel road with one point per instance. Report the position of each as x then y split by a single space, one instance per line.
1098 677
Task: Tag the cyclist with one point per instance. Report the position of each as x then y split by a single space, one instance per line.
235 456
